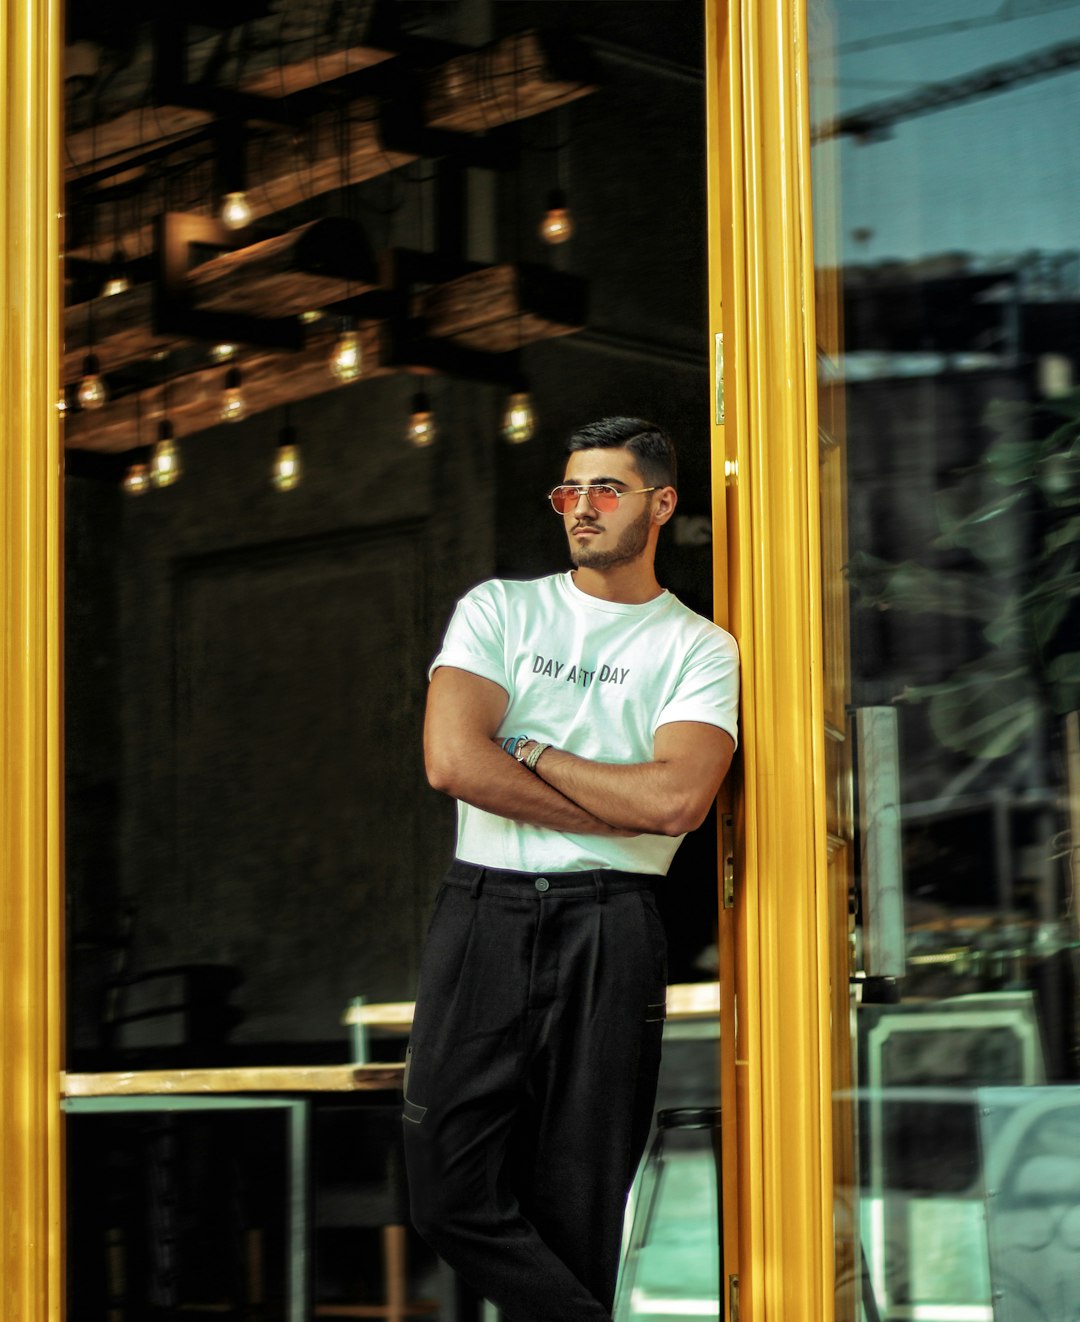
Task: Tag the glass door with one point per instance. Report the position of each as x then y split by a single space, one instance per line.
946 184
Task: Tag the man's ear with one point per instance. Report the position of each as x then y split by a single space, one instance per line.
665 504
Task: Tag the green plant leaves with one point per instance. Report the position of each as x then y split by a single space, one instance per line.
986 709
1010 514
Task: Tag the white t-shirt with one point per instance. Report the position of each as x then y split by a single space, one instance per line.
593 677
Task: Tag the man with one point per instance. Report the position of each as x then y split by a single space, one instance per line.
583 722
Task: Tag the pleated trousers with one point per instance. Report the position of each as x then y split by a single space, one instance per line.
530 1081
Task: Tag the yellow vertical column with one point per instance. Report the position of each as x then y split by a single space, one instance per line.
776 985
30 684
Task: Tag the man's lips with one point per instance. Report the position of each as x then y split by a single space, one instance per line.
585 529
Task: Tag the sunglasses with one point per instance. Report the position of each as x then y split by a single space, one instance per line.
601 497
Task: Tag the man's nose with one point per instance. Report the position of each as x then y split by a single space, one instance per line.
583 506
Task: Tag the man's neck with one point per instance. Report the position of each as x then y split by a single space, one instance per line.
630 585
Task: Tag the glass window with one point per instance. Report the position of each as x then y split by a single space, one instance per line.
946 176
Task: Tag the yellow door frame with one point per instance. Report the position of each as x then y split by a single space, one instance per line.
778 1195
775 941
31 826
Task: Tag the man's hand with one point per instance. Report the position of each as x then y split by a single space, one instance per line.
668 796
463 712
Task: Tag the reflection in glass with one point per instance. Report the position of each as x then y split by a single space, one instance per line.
948 274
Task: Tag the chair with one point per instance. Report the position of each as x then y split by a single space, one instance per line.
671 1258
359 1184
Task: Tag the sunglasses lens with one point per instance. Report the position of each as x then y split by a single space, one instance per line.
602 499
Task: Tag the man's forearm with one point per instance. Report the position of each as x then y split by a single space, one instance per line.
643 797
488 778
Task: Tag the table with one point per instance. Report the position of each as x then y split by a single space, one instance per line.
231 1089
693 1010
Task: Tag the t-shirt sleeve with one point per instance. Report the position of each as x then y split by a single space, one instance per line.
474 637
708 686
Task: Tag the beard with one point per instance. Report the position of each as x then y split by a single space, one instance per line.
634 539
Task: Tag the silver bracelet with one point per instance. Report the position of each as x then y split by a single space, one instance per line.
519 744
535 754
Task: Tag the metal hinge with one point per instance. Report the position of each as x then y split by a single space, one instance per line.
733 1298
727 844
718 368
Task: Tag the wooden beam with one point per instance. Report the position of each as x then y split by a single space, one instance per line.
285 168
122 331
269 380
309 267
517 77
299 75
500 308
111 143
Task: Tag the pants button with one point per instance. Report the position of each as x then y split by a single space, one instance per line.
542 884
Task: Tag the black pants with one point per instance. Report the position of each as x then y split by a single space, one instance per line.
531 1079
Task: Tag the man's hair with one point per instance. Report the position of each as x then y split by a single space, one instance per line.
652 448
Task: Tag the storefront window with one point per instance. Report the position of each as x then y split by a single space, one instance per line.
946 176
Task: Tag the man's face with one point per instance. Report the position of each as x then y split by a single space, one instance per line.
602 540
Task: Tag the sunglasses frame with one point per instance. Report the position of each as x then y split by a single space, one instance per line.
584 488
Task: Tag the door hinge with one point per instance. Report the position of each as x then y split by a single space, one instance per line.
727 843
733 1298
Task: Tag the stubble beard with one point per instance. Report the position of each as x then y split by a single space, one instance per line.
634 540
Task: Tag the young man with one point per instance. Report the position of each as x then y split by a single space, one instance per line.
583 722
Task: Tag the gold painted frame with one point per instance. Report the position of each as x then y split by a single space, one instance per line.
31 821
775 942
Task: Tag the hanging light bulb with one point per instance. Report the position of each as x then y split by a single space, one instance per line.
287 470
347 357
558 224
235 211
136 481
233 403
116 276
519 422
165 458
421 429
221 353
92 389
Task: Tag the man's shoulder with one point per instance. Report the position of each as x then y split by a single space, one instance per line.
701 630
512 591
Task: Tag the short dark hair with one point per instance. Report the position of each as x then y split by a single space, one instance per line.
652 448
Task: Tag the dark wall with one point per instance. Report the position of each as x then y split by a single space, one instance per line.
258 720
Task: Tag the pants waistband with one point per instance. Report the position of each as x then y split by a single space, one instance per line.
598 882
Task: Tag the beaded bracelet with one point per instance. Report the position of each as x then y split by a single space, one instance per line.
535 754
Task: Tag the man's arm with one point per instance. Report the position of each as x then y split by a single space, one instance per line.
463 713
667 796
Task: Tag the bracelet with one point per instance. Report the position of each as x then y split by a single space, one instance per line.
513 743
535 755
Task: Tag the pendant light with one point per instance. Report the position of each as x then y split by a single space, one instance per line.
93 392
233 403
347 356
136 480
165 457
236 210
519 420
557 225
421 429
287 470
116 276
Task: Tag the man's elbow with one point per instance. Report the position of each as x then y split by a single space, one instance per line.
441 771
684 814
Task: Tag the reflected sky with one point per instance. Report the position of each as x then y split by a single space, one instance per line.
992 176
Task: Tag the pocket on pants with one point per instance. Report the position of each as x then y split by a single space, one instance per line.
410 1110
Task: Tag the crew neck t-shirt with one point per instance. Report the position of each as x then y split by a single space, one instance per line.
596 678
